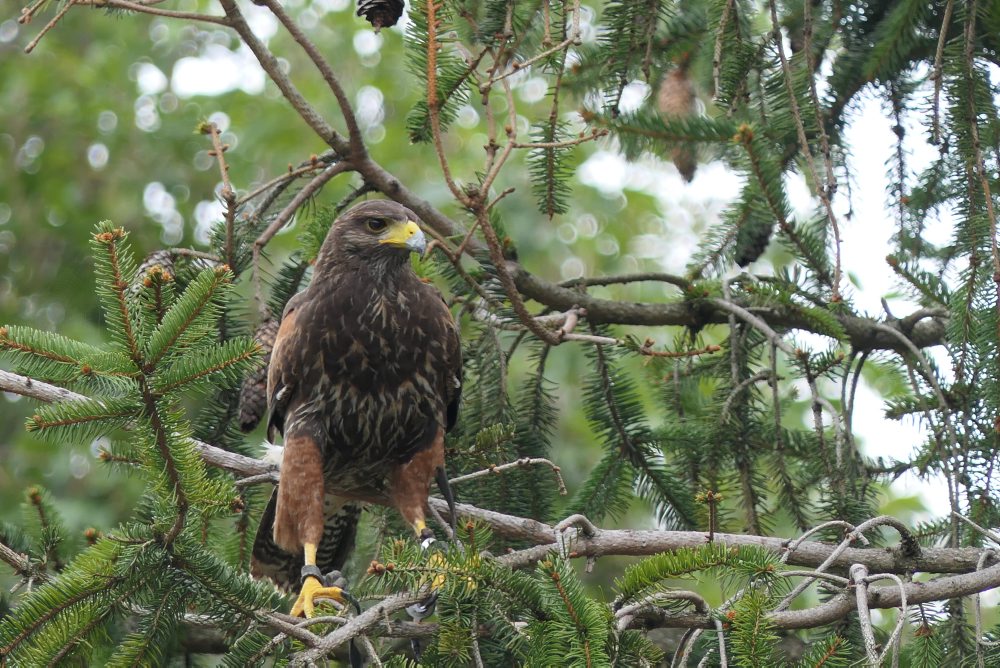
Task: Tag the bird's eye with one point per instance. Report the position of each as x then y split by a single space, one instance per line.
375 224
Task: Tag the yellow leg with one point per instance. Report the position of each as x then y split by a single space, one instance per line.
426 536
312 589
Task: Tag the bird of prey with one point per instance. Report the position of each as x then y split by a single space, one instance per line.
364 381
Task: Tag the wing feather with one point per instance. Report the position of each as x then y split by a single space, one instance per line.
281 386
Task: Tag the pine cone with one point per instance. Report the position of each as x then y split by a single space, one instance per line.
751 241
676 99
381 13
253 393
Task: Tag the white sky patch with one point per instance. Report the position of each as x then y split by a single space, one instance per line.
8 30
218 70
150 79
332 5
261 21
221 120
633 96
206 214
604 171
467 116
97 156
367 43
369 106
533 90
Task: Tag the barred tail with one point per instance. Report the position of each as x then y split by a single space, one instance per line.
340 527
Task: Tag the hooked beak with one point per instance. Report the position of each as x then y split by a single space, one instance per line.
406 235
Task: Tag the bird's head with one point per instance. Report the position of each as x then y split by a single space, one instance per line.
379 233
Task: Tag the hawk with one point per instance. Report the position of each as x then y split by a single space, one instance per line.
364 381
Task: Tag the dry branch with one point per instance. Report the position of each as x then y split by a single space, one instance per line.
971 570
603 542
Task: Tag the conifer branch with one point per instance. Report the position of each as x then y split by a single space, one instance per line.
433 104
357 144
227 194
977 151
823 188
119 285
370 618
81 634
148 8
937 73
36 623
162 445
520 463
274 71
571 38
20 563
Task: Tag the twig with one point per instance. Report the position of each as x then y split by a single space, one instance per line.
275 72
312 165
574 35
595 134
823 189
286 214
357 625
672 279
740 388
49 26
520 463
937 72
978 607
358 150
859 576
717 53
143 8
909 546
433 104
227 194
256 480
449 534
648 605
992 535
21 564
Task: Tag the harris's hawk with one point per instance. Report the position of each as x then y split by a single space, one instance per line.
364 381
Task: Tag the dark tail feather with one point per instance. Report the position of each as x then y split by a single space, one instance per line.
284 568
441 476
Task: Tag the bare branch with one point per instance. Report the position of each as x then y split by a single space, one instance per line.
520 463
357 143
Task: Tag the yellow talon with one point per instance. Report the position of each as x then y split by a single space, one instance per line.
313 589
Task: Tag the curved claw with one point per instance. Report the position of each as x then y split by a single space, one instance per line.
312 589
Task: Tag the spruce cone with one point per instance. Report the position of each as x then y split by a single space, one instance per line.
676 99
751 241
380 13
253 393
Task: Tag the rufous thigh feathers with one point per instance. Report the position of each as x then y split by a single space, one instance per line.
410 483
298 518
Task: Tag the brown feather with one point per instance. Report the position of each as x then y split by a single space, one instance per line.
364 380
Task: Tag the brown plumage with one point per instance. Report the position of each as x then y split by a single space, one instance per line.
364 380
253 392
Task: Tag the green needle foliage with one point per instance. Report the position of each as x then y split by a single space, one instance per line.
153 569
739 420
